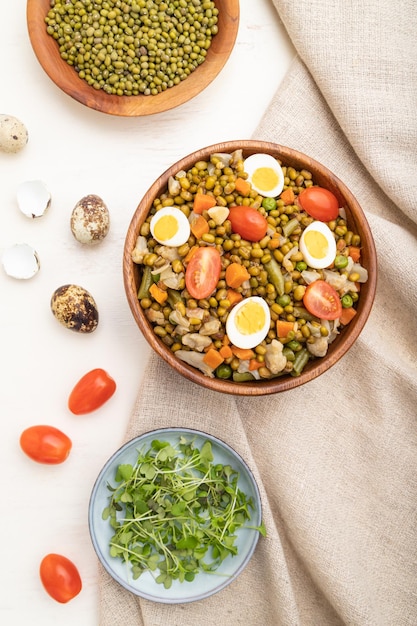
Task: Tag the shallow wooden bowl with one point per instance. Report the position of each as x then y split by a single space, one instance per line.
67 79
356 218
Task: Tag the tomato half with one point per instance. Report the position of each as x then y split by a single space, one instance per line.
248 222
203 272
45 444
322 300
60 577
320 203
91 392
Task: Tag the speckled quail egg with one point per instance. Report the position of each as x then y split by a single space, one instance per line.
13 134
318 245
90 220
33 198
75 308
170 227
21 261
265 174
248 322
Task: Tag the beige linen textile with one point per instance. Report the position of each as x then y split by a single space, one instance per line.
335 459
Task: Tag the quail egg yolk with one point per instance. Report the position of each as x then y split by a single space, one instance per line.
166 228
317 244
250 319
265 178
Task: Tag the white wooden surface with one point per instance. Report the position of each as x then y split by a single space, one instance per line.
77 151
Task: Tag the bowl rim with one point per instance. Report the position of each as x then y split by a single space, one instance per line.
64 76
176 431
337 348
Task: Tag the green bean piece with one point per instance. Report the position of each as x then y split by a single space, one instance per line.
241 377
290 227
174 297
300 361
145 283
275 275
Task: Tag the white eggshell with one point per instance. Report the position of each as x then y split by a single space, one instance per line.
33 198
21 261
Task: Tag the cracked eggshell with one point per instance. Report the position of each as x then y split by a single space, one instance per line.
90 220
33 198
21 261
13 134
75 308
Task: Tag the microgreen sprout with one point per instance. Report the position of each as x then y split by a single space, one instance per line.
176 512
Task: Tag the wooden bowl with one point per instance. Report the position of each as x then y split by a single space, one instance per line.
67 79
356 219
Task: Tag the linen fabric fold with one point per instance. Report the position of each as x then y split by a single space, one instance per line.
335 459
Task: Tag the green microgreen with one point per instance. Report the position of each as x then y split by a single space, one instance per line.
176 512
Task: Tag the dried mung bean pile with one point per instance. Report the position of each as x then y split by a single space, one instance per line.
136 46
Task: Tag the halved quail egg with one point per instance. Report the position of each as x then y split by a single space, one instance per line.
318 245
248 322
265 174
170 227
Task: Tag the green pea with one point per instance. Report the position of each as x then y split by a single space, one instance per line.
223 371
284 300
347 301
341 261
269 204
301 266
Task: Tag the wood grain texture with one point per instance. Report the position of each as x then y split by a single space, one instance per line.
355 216
66 78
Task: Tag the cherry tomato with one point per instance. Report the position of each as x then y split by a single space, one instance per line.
91 392
248 223
45 444
60 577
322 300
203 272
320 203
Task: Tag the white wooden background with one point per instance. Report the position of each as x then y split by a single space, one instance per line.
77 151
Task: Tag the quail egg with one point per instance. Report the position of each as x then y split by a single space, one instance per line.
33 198
170 227
13 134
318 245
21 261
248 322
90 220
75 308
265 174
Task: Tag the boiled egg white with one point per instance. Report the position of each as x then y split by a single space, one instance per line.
248 322
318 245
265 174
170 227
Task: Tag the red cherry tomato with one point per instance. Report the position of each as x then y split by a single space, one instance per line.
60 577
45 444
320 203
203 272
248 222
322 300
91 392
